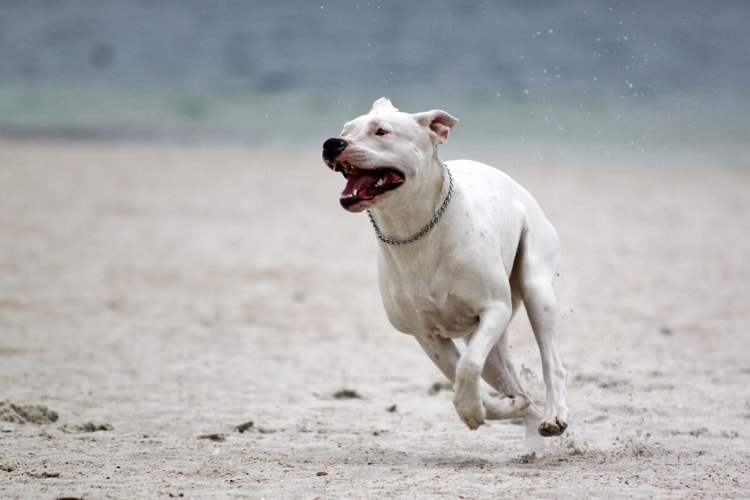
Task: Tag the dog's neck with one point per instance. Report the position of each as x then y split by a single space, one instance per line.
415 216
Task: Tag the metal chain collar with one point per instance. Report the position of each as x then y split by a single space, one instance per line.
425 229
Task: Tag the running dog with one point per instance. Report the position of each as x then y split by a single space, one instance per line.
461 246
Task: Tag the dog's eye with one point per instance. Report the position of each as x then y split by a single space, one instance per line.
381 131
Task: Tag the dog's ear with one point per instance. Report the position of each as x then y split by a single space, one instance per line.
382 104
438 121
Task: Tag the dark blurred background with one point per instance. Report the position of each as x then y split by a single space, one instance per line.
635 82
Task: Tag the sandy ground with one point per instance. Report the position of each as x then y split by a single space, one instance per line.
153 299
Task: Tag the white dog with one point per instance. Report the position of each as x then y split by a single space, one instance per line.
461 246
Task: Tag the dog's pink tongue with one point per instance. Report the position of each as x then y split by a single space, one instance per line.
357 186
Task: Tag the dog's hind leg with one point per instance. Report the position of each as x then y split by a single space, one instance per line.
539 259
498 369
444 353
500 373
540 305
493 321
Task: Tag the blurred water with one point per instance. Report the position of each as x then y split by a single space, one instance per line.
577 80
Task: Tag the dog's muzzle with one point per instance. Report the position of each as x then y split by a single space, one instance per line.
332 148
363 185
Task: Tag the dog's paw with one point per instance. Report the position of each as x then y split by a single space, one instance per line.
471 411
553 426
506 407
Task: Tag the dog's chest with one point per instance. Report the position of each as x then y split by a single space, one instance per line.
420 306
446 316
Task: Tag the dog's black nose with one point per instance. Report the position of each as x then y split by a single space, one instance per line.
333 147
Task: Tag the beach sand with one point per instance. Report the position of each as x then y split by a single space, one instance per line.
154 298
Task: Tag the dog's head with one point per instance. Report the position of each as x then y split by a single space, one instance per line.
385 152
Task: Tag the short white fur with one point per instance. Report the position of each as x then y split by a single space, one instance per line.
492 250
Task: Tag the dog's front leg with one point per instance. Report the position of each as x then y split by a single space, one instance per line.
444 353
468 401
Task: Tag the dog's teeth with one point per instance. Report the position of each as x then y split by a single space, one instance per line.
354 193
380 182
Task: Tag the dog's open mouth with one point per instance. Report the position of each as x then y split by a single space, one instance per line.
363 185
